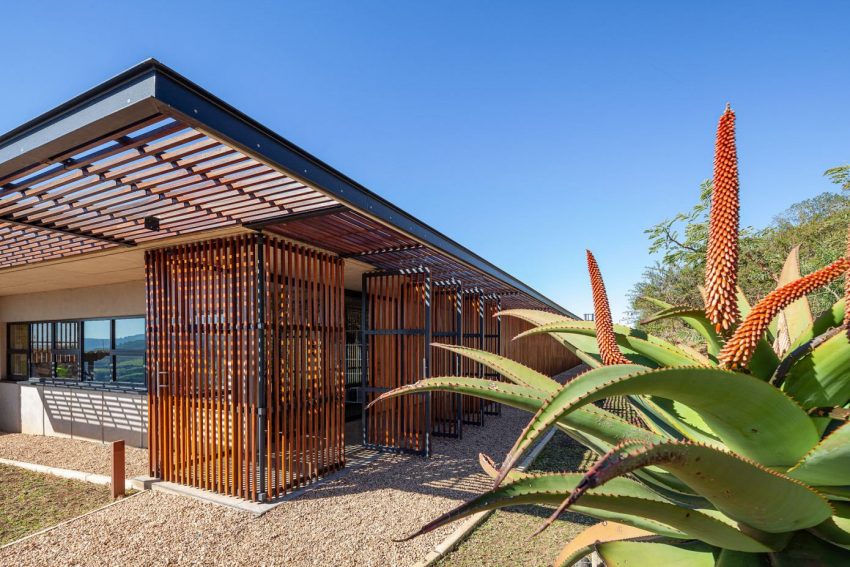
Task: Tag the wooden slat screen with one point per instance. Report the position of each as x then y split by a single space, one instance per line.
492 343
397 333
473 337
204 311
446 318
540 352
305 394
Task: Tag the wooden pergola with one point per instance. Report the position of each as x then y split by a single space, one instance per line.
246 333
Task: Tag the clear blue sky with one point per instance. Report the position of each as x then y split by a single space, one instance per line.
527 131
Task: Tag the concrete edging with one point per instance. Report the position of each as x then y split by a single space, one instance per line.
464 530
66 473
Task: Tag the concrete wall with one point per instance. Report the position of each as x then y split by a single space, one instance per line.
72 412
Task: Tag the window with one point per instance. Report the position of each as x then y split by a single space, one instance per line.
94 350
19 341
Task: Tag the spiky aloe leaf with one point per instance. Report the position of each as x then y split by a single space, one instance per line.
633 554
730 558
674 419
819 379
594 421
694 318
836 529
587 540
739 488
806 549
663 353
828 463
514 371
536 317
798 315
831 318
586 343
622 500
659 480
762 423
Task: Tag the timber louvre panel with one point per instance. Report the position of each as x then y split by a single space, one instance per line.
245 382
473 337
447 318
396 336
492 329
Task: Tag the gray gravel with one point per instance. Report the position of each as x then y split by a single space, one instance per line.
349 520
74 454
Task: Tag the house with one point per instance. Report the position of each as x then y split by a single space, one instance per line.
175 274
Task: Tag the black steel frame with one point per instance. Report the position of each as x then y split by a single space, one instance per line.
366 331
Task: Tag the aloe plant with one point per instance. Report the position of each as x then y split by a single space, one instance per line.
744 456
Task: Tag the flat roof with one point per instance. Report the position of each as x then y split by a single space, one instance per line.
149 145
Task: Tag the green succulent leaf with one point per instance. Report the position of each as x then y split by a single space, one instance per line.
636 554
623 501
514 371
819 379
542 318
761 423
586 343
696 319
674 419
806 549
828 463
741 489
592 420
831 318
836 529
730 558
586 541
798 315
661 352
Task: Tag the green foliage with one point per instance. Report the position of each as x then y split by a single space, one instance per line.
818 225
730 467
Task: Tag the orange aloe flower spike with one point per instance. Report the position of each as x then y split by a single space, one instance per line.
721 266
604 325
739 349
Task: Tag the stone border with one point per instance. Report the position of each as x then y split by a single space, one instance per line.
67 473
465 529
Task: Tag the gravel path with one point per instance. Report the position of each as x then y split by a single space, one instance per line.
349 520
65 453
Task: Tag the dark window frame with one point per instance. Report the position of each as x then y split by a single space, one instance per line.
80 351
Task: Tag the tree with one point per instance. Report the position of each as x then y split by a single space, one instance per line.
818 225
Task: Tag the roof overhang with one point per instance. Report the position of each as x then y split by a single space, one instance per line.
149 143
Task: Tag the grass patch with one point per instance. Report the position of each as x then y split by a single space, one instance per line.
504 538
31 501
